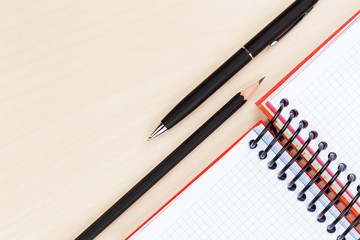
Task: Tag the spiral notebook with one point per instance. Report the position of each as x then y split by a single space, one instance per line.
291 178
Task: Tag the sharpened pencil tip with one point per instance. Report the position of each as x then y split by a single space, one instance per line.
248 91
262 79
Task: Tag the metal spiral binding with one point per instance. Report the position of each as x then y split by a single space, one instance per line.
331 228
293 114
283 103
291 184
352 225
351 178
303 124
311 206
301 195
282 174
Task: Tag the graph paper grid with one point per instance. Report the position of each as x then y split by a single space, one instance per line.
237 198
326 94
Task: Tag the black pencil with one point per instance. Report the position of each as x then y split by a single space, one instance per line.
168 163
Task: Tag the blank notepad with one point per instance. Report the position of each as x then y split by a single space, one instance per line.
237 198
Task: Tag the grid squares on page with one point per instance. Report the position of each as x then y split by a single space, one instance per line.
242 200
331 105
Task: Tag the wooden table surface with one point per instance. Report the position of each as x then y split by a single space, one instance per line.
84 83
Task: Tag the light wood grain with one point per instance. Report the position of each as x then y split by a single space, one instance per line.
84 83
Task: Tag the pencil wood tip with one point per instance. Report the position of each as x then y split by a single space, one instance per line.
246 93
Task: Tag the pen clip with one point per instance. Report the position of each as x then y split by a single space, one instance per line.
290 28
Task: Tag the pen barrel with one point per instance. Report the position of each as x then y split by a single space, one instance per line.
163 168
207 88
279 25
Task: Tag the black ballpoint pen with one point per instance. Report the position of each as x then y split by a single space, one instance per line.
270 35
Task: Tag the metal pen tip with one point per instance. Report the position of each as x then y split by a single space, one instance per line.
159 130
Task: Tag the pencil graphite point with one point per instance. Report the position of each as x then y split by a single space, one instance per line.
262 79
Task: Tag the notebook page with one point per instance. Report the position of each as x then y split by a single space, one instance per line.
237 198
326 93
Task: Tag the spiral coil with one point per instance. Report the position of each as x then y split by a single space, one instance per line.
301 196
